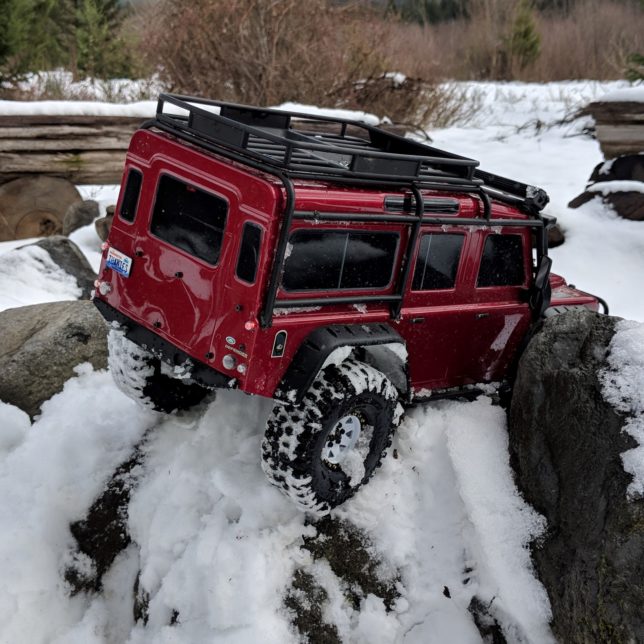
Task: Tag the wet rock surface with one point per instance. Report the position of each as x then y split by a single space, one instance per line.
566 443
41 345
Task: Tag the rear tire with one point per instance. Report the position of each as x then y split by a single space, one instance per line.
139 375
320 451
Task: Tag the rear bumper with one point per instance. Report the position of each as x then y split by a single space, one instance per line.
200 372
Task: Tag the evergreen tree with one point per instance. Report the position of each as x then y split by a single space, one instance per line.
523 44
432 11
100 51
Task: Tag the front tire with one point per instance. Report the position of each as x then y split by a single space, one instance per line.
320 451
139 375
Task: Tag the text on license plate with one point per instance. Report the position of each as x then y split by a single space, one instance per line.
119 262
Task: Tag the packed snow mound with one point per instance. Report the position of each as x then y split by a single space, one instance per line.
215 547
29 275
623 387
624 95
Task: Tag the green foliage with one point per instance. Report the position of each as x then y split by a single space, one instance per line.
100 51
523 43
79 35
432 11
635 68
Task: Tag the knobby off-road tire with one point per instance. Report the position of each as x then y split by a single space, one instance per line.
139 375
301 452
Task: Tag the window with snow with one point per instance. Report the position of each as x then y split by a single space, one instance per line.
502 261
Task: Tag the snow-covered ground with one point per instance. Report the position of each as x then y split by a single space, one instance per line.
217 544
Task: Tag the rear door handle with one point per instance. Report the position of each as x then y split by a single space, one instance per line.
417 320
480 316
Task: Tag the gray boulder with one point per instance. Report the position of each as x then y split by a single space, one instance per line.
66 254
41 345
80 214
104 224
566 443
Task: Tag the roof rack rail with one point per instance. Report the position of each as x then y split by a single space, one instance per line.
329 148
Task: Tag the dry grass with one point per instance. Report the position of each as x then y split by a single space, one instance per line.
593 41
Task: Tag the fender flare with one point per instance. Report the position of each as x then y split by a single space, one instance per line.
319 345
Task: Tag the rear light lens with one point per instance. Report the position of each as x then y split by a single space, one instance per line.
251 325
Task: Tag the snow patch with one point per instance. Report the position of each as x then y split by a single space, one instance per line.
29 275
609 187
623 387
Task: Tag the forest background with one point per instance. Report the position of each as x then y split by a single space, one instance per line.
390 56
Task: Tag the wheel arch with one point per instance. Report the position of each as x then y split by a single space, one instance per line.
379 345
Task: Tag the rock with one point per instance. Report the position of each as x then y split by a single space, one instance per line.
556 236
66 254
623 198
80 214
41 345
34 206
102 534
629 167
566 443
104 224
628 204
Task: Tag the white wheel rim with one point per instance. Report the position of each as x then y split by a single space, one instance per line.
341 439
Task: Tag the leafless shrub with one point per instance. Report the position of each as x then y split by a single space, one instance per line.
262 51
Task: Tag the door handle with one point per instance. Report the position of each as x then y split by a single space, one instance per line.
417 320
480 316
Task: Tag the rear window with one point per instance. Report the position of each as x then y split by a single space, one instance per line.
131 195
189 218
437 262
331 260
502 262
249 253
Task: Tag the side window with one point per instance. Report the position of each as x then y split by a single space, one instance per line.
331 260
189 218
249 253
502 263
437 262
131 195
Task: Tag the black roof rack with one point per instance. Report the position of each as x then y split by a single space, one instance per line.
344 151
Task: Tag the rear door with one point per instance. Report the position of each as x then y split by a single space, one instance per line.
179 254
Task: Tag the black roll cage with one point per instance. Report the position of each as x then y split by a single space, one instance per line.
278 143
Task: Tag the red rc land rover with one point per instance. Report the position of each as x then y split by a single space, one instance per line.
337 268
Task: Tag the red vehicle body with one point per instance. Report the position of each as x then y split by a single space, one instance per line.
246 327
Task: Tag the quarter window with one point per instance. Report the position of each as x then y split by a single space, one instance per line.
332 260
437 262
131 195
502 262
249 253
189 218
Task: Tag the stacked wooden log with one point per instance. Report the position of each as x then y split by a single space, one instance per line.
619 181
619 126
81 149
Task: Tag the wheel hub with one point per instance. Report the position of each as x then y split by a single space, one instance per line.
341 439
